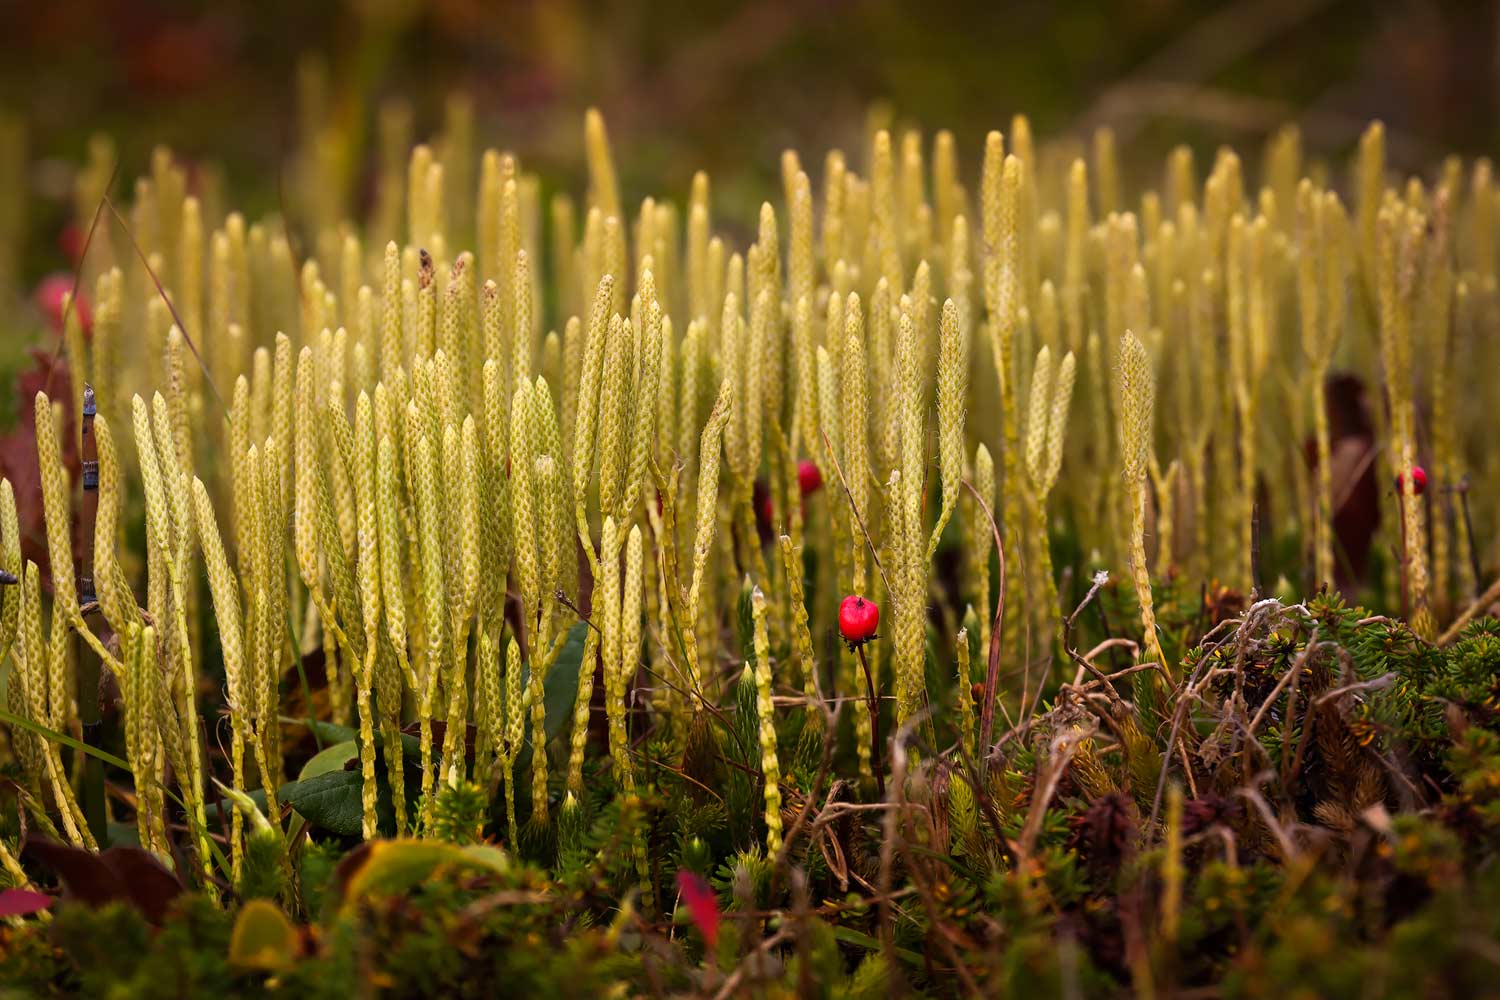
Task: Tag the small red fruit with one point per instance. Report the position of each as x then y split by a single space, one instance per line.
702 906
809 478
70 241
51 291
1418 480
765 512
858 619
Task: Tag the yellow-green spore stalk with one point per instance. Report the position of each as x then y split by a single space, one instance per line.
1137 401
461 466
979 540
33 674
10 614
630 631
392 544
489 706
1439 336
1250 304
58 518
515 733
1046 429
540 663
1001 195
952 397
909 585
607 610
1399 239
586 416
367 574
429 517
961 693
578 741
625 667
705 521
142 744
170 533
1321 278
766 715
802 643
226 599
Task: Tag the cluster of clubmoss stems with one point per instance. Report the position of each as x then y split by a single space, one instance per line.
413 449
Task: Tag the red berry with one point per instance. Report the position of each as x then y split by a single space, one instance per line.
49 295
702 905
858 619
765 511
1418 480
808 476
70 242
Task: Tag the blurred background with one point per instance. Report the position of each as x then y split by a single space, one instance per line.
688 85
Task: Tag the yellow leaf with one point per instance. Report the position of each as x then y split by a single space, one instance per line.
394 866
263 938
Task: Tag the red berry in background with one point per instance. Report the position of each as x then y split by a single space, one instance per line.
858 619
702 906
70 242
1418 480
808 477
49 295
765 511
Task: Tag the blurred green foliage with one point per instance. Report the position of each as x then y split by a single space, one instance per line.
726 87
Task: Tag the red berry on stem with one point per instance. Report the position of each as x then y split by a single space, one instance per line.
809 478
858 619
1418 480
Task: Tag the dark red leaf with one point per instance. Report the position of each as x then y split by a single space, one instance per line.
151 886
128 874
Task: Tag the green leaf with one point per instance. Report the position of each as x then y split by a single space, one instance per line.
331 801
331 732
332 758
